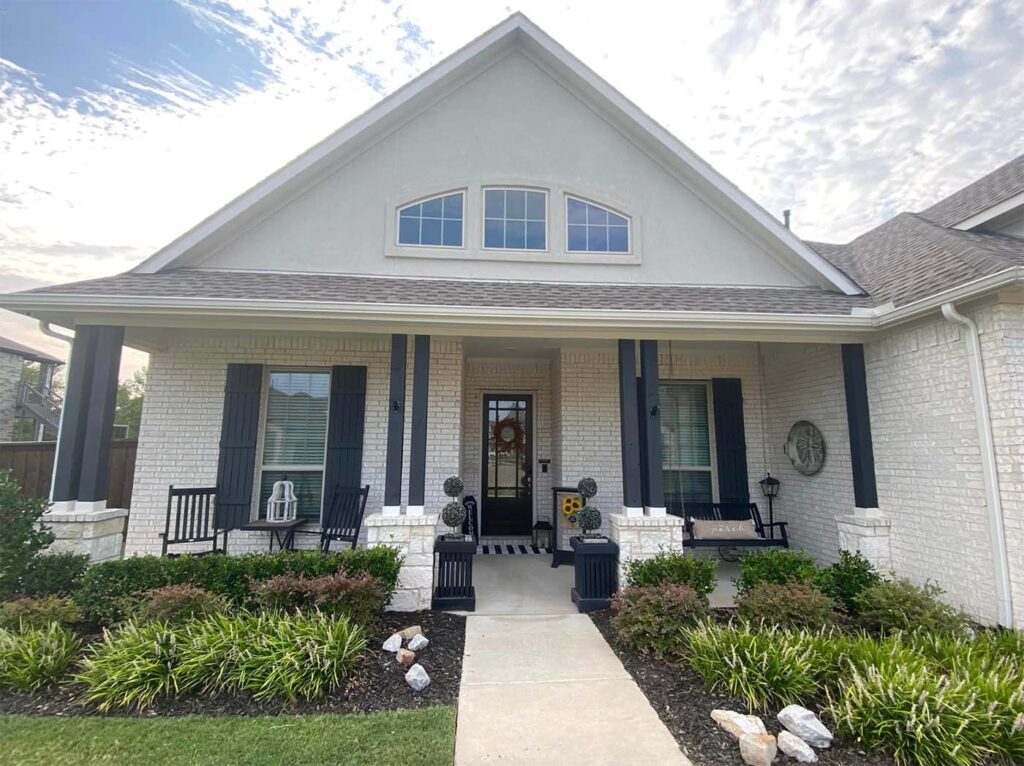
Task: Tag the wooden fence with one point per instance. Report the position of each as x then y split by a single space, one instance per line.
32 465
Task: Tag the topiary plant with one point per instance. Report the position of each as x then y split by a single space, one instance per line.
587 488
589 519
453 486
453 515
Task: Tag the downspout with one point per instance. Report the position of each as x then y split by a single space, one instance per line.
45 329
988 463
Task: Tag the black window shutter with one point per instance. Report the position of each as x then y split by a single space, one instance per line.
730 441
238 432
344 464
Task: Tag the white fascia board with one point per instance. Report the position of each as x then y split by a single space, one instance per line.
1017 200
516 23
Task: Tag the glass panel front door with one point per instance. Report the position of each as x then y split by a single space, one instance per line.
507 503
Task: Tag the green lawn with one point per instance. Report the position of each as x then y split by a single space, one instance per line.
423 737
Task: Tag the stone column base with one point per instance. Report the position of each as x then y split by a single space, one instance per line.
414 537
98 534
867 532
643 537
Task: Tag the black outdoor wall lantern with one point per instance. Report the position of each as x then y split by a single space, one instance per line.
770 489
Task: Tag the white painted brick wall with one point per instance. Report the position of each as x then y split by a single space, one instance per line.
805 382
178 443
927 456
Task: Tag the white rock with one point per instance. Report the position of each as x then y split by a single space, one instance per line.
796 748
417 642
393 644
737 724
417 678
758 749
805 724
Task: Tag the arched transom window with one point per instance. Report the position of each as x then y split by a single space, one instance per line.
435 222
595 229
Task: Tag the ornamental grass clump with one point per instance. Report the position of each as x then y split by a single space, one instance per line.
793 604
651 618
915 715
132 666
35 657
765 666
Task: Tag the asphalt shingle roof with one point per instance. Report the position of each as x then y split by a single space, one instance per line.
1001 184
908 258
195 283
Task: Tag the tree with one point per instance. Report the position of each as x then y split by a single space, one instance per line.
129 402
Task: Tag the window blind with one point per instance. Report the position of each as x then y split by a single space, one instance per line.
296 419
685 437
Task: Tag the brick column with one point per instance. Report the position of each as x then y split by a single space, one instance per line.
643 537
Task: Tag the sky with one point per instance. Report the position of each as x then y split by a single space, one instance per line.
125 122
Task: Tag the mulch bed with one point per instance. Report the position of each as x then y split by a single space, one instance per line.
378 683
685 706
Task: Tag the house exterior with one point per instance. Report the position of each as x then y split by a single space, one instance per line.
506 271
21 400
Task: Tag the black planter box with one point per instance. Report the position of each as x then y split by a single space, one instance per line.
454 566
597 573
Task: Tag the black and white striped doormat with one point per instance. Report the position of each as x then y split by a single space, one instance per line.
502 549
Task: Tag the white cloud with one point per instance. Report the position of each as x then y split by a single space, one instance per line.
845 114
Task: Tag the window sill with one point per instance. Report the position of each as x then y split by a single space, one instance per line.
517 256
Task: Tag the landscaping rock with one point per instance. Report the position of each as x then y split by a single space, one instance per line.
758 749
417 642
796 748
805 724
405 657
393 644
412 630
417 678
738 724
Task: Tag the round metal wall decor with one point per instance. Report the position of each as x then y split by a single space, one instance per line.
805 447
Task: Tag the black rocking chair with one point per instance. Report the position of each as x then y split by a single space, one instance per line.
194 514
344 517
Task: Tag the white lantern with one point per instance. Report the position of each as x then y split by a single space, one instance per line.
282 503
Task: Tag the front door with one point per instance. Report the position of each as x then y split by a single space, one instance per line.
507 505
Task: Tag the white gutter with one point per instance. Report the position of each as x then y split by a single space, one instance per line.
45 329
988 463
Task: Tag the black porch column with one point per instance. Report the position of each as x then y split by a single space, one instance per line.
92 487
418 448
67 468
632 499
653 481
858 418
396 427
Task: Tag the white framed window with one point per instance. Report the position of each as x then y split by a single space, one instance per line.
295 437
592 228
433 222
687 444
515 219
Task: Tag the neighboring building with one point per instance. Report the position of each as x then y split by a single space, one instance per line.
528 225
20 400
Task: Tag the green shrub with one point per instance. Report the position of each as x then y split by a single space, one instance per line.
775 565
132 665
177 603
22 533
39 612
54 574
361 598
110 590
901 605
36 657
766 667
651 618
915 715
795 604
269 655
673 567
845 580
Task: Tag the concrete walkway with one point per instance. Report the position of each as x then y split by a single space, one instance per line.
547 688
